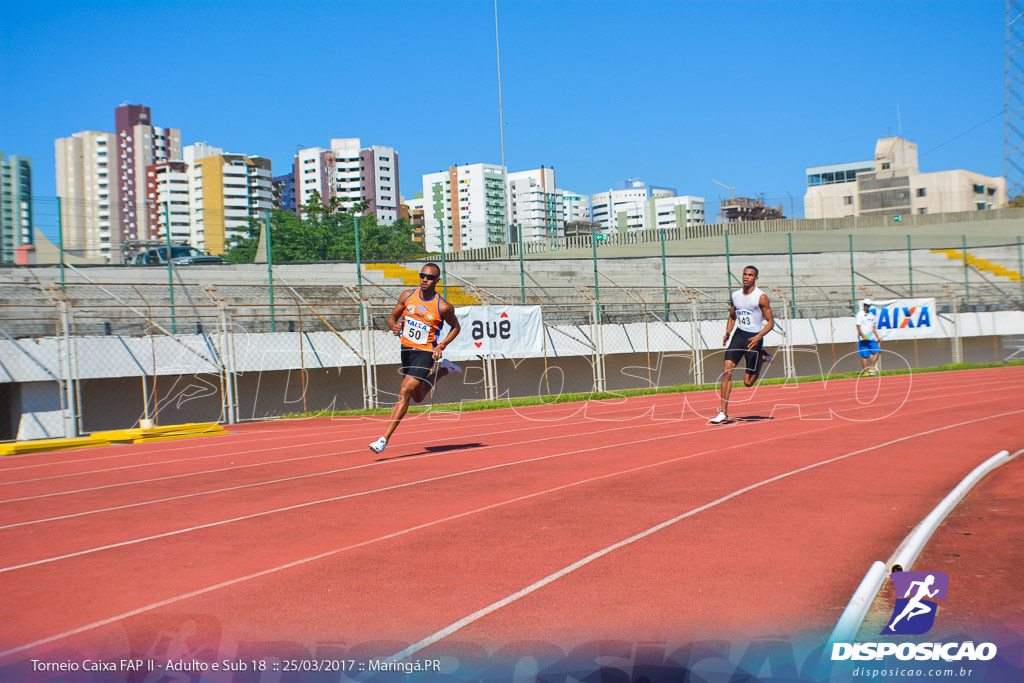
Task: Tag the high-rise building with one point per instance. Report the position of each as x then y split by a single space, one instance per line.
628 207
352 174
225 191
283 188
536 204
892 184
85 167
15 205
168 195
467 204
412 212
575 207
140 144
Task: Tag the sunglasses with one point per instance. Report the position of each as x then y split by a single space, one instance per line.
427 276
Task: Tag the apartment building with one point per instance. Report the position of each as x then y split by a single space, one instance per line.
15 205
628 207
140 144
85 169
351 173
167 189
892 184
575 207
225 191
467 204
535 204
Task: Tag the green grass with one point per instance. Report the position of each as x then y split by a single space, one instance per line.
524 401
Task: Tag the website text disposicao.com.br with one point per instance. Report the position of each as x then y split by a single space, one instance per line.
909 672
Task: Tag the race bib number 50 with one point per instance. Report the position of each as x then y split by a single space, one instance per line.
415 331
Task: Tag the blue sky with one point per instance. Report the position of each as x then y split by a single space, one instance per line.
675 93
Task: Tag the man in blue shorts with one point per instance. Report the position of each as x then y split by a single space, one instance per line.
867 334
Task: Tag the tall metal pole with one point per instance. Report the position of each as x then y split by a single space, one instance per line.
170 272
444 269
60 244
664 273
792 278
728 266
501 130
910 266
853 286
967 284
359 274
1020 268
270 270
597 286
522 276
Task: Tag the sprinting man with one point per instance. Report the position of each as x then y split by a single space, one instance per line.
751 314
417 319
867 333
915 606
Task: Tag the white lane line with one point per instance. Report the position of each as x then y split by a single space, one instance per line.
493 607
319 556
357 494
243 438
748 405
832 400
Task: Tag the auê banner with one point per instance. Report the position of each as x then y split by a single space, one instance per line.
499 331
905 318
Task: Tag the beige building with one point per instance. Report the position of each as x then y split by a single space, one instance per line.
85 171
891 184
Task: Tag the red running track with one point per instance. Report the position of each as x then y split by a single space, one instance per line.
630 519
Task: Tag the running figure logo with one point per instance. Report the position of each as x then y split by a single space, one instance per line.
914 613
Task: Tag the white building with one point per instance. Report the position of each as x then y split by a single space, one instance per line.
352 174
891 184
225 191
85 183
639 206
536 204
168 193
575 207
467 203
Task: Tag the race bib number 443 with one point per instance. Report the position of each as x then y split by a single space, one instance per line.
415 331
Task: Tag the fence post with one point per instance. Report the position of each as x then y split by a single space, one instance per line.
664 273
792 277
522 276
597 286
170 272
695 344
967 284
728 266
444 267
598 350
359 269
228 363
270 270
60 243
910 266
853 285
66 365
1020 268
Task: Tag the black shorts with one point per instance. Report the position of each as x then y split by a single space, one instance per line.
738 350
416 362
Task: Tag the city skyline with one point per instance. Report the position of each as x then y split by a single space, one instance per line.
746 93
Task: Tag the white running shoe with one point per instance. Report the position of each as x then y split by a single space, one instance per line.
379 445
451 367
718 419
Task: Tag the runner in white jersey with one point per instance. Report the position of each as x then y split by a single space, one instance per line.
751 314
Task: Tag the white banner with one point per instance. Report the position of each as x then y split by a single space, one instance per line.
906 318
499 330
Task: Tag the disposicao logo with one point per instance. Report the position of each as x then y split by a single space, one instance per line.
914 614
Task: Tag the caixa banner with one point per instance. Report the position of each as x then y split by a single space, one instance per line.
906 318
499 331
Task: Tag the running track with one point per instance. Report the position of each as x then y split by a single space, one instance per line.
629 519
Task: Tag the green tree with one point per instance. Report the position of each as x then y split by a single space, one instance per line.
326 232
1017 202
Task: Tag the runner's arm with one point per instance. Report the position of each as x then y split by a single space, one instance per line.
395 319
447 312
769 321
729 324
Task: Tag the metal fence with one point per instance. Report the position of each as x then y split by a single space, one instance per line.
86 355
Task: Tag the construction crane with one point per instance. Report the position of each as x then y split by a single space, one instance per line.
728 187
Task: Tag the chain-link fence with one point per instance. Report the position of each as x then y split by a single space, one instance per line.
91 353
